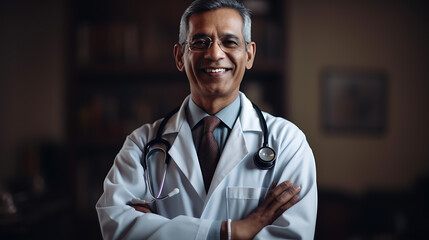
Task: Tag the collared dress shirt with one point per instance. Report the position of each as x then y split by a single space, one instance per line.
228 116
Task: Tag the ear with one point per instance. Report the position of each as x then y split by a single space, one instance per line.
178 57
251 51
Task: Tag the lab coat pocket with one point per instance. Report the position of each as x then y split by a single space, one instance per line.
241 201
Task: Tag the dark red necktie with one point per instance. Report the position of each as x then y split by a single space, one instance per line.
208 154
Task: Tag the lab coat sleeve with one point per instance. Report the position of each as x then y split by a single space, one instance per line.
124 182
295 162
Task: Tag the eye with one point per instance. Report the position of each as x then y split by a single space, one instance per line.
200 43
230 43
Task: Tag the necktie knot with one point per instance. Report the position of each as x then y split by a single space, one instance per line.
210 123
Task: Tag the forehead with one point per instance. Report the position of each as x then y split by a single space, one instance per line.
216 22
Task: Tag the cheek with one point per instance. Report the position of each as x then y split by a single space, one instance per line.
240 60
240 64
189 63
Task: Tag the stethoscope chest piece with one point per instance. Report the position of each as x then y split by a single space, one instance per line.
265 158
157 149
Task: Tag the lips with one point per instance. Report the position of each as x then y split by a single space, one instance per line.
215 70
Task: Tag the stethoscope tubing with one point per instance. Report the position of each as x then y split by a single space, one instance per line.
149 150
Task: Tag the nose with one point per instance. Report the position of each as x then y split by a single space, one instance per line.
214 52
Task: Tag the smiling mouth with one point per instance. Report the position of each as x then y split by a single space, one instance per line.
215 70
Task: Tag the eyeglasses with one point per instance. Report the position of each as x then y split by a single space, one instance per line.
227 44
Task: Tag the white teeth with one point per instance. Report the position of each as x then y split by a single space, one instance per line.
215 70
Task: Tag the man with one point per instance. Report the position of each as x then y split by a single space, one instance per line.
224 195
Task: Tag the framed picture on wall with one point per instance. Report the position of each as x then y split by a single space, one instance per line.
354 100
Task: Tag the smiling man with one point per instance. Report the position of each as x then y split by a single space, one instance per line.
215 57
217 168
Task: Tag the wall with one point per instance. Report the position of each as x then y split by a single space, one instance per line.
32 37
388 35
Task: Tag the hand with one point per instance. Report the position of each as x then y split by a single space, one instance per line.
144 208
278 200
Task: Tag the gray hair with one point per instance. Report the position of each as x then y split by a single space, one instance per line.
200 6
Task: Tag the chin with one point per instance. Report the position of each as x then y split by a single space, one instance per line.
222 93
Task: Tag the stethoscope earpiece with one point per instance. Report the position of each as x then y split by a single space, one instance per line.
265 158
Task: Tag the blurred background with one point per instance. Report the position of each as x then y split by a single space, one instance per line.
77 76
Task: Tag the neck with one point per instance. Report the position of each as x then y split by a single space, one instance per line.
215 104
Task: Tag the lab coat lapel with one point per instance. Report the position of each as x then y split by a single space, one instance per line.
184 154
183 151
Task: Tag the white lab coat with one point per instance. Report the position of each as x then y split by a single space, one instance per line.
237 188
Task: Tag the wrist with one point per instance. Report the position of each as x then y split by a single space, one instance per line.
244 229
224 230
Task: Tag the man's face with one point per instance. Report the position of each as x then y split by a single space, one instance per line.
215 73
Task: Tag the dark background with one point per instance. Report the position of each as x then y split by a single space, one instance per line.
77 76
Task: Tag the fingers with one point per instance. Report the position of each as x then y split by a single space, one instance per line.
276 191
279 199
282 198
144 208
273 185
288 205
282 187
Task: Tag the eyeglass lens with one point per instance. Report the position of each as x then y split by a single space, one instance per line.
227 43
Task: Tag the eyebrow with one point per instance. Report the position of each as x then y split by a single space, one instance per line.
199 35
230 35
226 35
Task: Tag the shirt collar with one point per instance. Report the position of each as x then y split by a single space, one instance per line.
227 115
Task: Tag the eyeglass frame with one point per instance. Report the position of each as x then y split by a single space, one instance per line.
219 42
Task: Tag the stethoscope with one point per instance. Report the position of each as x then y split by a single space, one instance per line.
264 158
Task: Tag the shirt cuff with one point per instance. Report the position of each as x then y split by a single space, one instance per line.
214 231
